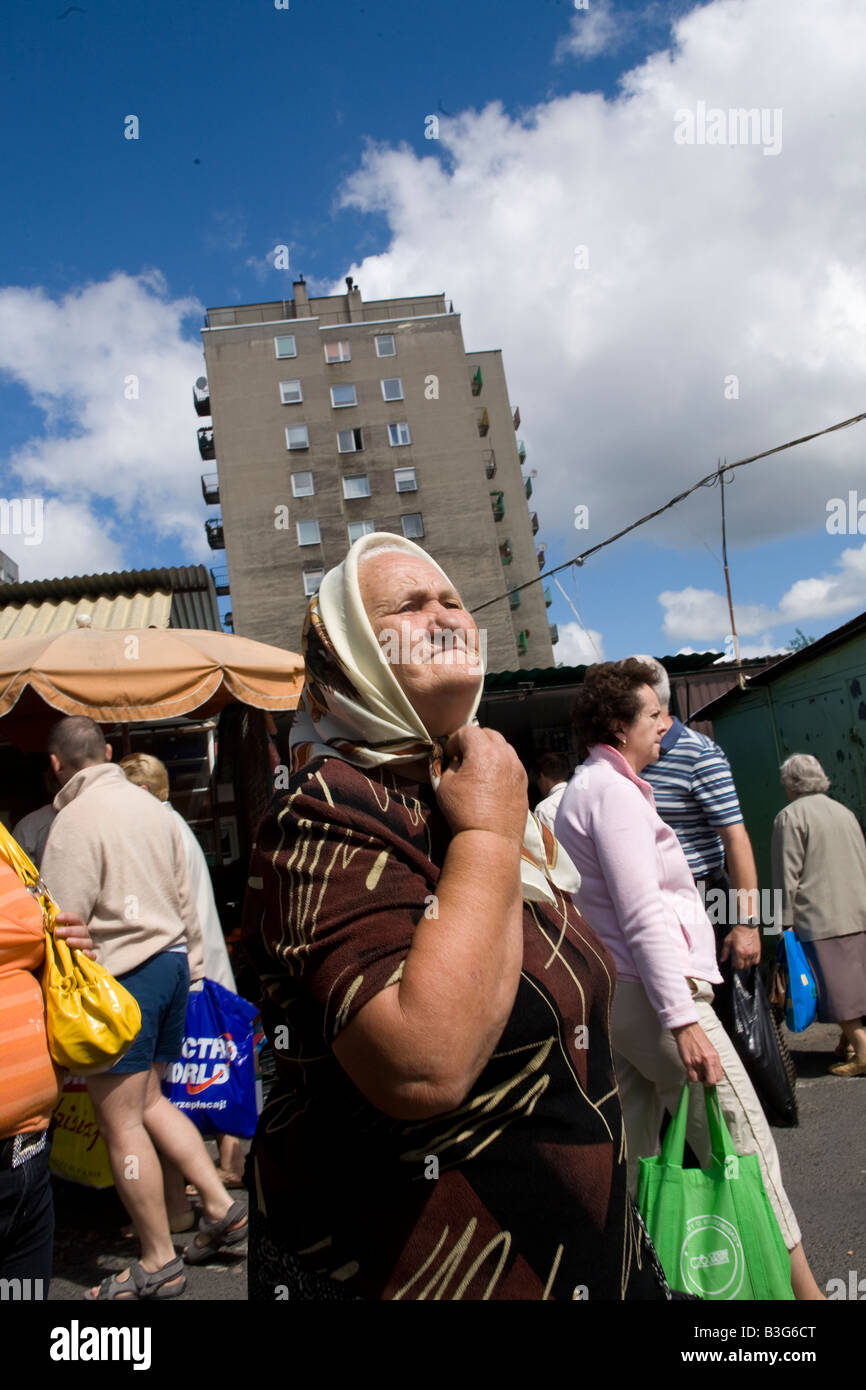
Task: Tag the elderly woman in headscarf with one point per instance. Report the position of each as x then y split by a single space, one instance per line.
446 1123
819 863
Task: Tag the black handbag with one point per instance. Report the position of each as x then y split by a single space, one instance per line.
743 1008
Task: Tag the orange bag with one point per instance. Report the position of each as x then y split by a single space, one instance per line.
29 1082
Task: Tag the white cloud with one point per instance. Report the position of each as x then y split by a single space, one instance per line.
592 31
73 541
699 614
112 373
578 646
766 646
705 263
830 595
702 613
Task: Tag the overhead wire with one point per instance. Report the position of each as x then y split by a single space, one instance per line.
708 481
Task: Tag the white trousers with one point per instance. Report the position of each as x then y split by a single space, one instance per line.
651 1077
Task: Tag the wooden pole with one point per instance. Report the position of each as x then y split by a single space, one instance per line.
742 682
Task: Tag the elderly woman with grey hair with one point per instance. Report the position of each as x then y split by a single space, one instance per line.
819 863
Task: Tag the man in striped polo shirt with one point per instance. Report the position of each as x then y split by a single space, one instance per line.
695 795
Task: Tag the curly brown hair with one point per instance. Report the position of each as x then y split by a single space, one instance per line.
608 696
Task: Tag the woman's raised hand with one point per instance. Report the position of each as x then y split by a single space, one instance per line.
483 785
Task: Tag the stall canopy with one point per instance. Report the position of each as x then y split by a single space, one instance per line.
118 675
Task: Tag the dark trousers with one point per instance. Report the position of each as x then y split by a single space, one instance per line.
27 1223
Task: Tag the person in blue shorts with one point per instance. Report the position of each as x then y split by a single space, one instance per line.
114 857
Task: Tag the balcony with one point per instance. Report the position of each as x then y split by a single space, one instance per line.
514 599
490 463
497 502
205 442
521 451
523 641
214 532
201 396
220 577
548 596
483 423
506 554
533 517
475 382
210 488
517 417
527 487
554 633
541 559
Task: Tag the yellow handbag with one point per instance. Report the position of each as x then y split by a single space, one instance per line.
90 1019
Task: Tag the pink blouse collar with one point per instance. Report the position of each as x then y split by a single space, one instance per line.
606 753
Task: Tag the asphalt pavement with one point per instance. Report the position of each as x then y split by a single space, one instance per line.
823 1167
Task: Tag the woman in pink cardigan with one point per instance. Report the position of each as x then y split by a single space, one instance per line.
639 896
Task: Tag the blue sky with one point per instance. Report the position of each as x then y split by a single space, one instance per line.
260 126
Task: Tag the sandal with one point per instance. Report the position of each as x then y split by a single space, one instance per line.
854 1068
217 1234
142 1284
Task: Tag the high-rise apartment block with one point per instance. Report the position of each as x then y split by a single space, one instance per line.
331 418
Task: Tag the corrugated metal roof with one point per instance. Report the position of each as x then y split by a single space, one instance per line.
125 611
182 597
551 676
784 664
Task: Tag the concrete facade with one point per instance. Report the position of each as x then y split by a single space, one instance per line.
434 408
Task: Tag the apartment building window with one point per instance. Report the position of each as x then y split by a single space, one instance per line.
385 345
312 580
343 395
285 346
350 441
413 526
392 388
357 529
356 486
338 352
308 532
399 434
302 485
297 437
290 392
405 480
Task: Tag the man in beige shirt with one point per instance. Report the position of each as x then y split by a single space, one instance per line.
115 858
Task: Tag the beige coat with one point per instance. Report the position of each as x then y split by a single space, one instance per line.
115 857
819 862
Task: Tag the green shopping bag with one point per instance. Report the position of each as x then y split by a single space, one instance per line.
714 1229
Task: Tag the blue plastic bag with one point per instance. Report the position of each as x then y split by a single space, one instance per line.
801 996
214 1080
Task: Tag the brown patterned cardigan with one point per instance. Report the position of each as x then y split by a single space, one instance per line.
520 1193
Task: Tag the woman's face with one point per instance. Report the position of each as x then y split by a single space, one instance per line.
643 735
426 635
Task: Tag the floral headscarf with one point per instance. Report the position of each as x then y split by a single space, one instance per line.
353 707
